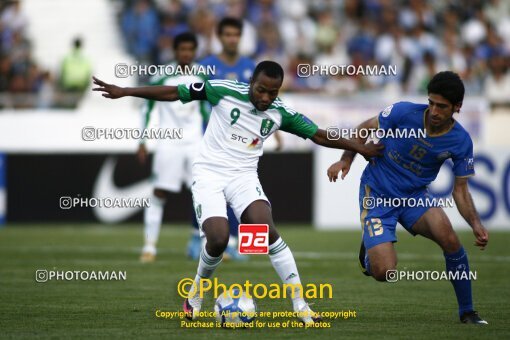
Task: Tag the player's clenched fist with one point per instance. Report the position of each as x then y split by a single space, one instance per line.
370 150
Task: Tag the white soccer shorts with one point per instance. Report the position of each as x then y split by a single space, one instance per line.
172 166
213 191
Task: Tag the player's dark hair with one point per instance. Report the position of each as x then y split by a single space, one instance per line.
229 22
185 37
270 69
447 84
77 42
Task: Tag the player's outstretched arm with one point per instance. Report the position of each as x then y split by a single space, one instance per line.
467 209
367 150
160 93
344 164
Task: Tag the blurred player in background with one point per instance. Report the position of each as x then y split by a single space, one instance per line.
173 158
76 69
408 166
225 170
229 64
75 73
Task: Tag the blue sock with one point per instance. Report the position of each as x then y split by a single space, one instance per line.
459 262
232 222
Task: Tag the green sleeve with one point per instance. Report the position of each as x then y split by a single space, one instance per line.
297 124
148 107
184 95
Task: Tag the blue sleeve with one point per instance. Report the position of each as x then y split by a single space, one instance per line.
207 61
463 160
245 69
211 61
390 117
251 64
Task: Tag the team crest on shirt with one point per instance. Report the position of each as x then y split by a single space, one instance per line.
386 112
444 155
266 126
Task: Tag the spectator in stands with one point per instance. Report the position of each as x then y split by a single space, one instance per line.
297 27
451 54
361 47
497 85
5 69
305 81
262 11
46 94
174 8
170 28
463 35
203 23
270 45
13 18
140 26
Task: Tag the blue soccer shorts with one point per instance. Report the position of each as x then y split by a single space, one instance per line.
379 214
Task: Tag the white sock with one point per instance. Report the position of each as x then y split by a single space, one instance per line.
206 265
285 265
153 217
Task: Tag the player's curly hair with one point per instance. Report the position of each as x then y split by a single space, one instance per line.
270 68
229 22
449 85
185 37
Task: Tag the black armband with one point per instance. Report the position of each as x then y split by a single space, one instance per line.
197 91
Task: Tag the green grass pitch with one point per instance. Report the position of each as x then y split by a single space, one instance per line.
114 309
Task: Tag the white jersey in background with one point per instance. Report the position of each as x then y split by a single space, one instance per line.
174 115
173 158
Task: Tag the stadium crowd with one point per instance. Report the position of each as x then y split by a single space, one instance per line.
23 83
19 74
419 37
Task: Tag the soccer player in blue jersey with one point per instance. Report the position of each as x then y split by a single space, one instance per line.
405 170
229 64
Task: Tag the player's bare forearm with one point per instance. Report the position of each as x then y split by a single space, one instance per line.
159 93
465 203
367 150
348 156
372 123
467 209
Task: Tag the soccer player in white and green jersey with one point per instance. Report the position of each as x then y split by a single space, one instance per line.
225 170
172 158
